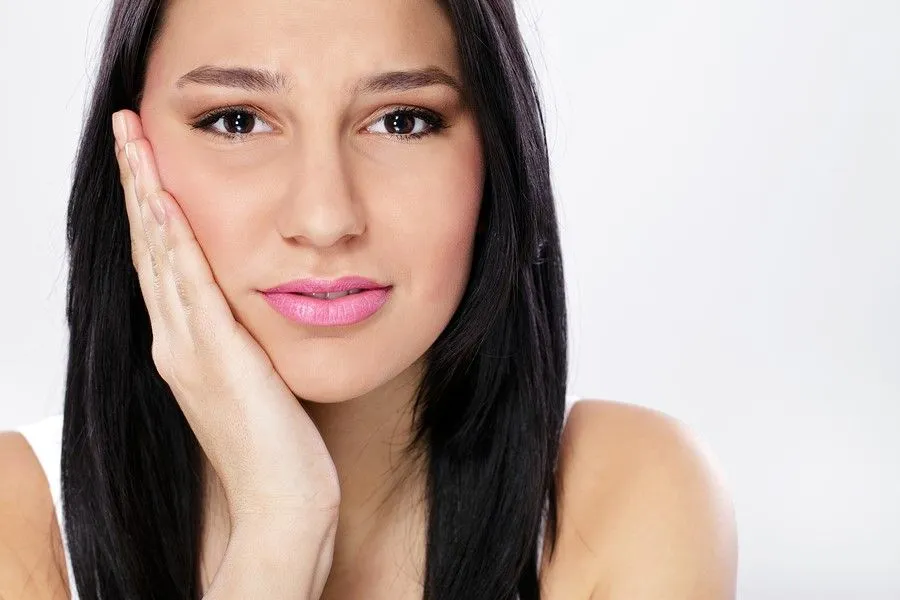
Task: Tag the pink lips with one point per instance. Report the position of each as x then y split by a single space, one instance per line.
346 310
343 284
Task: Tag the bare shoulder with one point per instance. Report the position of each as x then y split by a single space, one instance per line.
32 563
650 506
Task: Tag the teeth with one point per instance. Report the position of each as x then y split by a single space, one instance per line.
330 295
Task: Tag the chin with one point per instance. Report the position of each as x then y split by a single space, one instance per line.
324 390
330 386
330 383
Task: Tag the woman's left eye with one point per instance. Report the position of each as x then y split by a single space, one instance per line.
401 119
400 123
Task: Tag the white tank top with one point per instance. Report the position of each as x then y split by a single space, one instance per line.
45 438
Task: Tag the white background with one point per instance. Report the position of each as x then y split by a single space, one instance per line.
728 180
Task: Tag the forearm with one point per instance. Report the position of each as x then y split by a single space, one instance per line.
276 561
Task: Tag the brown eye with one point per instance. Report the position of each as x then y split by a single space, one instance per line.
236 122
409 123
400 123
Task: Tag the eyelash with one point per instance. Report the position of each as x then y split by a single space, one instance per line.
435 122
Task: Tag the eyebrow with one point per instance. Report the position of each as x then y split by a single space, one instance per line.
262 80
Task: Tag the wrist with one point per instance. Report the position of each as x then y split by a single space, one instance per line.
276 557
285 527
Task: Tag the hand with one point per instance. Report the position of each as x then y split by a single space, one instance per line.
266 451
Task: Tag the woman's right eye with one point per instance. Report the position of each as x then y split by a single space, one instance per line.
237 122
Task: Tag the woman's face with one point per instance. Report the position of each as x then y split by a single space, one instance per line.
317 186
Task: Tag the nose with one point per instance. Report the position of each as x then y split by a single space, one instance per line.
319 208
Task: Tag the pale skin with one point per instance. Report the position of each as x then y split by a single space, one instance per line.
320 188
644 516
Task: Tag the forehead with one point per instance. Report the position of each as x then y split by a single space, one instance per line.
314 41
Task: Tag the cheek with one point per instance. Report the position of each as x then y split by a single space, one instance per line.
435 227
444 254
214 201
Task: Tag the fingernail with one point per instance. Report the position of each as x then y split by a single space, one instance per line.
157 208
131 154
119 129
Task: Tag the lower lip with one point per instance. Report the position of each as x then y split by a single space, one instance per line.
346 310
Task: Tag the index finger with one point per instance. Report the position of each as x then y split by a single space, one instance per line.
130 129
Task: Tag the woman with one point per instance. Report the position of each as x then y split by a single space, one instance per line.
335 366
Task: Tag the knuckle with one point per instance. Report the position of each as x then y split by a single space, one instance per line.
147 197
153 253
182 288
206 340
170 256
154 272
165 310
160 357
125 178
140 268
144 272
121 160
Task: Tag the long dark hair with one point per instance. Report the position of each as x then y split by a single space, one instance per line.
488 413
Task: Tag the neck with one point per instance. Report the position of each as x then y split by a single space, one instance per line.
366 437
381 489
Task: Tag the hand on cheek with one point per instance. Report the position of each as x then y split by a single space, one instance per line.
232 397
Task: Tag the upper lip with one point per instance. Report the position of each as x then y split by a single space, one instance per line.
321 286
